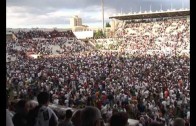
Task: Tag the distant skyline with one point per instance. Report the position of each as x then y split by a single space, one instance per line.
56 13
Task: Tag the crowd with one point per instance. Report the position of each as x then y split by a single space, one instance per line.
157 86
42 34
57 44
149 88
172 35
29 114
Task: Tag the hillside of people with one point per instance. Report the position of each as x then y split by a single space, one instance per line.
146 79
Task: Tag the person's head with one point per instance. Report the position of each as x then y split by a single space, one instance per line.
91 116
43 98
179 122
76 118
61 115
119 119
114 111
155 124
68 114
12 106
32 105
22 106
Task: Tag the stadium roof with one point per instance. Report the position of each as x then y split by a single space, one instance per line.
174 13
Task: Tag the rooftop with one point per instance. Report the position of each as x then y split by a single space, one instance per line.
157 14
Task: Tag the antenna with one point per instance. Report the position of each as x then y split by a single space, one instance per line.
102 5
140 9
150 9
182 4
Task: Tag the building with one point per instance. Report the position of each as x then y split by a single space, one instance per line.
80 28
75 21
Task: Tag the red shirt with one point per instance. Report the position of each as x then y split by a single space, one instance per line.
166 93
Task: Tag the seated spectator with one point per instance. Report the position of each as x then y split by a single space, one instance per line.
42 115
119 119
91 116
67 121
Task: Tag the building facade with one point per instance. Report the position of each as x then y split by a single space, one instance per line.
75 21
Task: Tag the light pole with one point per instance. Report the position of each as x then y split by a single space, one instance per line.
102 6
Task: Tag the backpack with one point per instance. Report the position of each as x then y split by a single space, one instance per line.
43 117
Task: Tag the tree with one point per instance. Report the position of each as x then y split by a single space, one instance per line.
108 24
98 34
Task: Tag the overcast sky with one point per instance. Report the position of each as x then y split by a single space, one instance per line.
56 13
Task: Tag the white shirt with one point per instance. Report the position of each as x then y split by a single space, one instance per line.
161 95
146 93
179 102
171 92
8 119
42 120
188 115
164 103
56 101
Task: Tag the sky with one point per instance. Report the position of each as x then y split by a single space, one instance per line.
57 13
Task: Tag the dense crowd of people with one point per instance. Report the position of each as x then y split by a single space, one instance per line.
149 88
57 44
169 35
23 35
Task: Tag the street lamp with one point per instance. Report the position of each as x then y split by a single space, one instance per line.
102 6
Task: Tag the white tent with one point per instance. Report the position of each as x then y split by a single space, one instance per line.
35 56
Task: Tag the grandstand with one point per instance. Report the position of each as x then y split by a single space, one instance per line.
154 32
150 15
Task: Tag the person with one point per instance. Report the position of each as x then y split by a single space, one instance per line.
20 118
42 115
9 121
67 121
91 116
76 118
114 111
156 124
179 122
119 119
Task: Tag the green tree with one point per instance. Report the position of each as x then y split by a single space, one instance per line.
98 34
108 24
